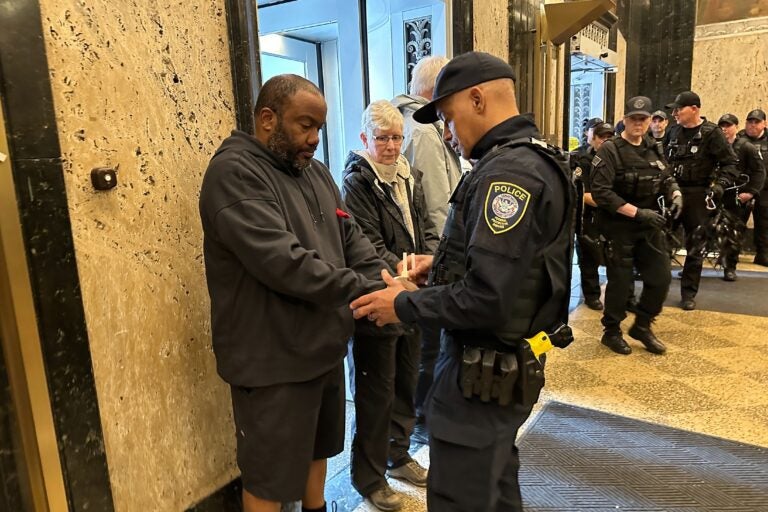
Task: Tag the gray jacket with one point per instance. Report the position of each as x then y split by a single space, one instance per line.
426 150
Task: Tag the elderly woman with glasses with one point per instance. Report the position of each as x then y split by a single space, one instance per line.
385 197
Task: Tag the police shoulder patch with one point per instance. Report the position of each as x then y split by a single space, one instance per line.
505 206
596 161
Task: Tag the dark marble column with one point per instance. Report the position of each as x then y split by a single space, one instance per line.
522 47
659 47
246 61
463 26
38 176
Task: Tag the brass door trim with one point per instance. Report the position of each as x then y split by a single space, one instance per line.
23 352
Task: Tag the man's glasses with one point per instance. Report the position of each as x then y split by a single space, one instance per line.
384 139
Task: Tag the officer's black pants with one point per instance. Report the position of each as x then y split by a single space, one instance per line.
589 259
730 257
430 348
383 373
760 216
694 214
474 462
647 251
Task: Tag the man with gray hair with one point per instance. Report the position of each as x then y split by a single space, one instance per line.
427 151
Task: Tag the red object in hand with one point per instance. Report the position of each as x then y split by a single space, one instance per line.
341 214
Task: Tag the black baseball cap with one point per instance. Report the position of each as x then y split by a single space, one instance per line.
756 114
639 105
462 72
685 99
728 119
602 129
592 123
659 113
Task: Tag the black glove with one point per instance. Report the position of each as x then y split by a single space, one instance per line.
677 207
716 190
650 218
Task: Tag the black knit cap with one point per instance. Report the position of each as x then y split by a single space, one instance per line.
462 72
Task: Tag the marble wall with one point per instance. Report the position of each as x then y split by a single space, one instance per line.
145 87
491 27
730 63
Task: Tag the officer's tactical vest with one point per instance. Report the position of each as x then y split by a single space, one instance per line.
691 167
539 300
638 180
761 144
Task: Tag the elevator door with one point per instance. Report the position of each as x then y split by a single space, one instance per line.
279 55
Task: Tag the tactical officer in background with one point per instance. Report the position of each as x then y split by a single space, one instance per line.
739 200
629 177
659 122
756 133
704 165
587 235
499 282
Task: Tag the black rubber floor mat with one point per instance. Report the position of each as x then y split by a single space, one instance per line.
577 459
746 296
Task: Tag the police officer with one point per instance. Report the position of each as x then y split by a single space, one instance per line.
500 275
756 133
629 176
659 122
704 165
587 234
739 200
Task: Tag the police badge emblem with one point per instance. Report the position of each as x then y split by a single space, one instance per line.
638 104
505 206
695 149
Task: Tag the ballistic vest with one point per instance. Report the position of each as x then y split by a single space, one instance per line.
638 179
540 299
691 167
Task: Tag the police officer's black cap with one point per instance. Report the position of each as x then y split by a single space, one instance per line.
756 114
603 129
685 99
593 122
659 113
462 72
728 119
638 106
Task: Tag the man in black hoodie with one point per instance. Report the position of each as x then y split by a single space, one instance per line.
282 259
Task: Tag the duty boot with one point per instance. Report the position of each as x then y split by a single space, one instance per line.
641 331
688 304
729 274
615 342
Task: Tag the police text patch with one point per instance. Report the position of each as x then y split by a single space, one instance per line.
505 206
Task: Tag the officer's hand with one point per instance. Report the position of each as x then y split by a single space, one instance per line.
745 197
677 207
379 306
716 190
650 218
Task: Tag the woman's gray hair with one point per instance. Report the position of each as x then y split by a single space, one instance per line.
425 74
381 115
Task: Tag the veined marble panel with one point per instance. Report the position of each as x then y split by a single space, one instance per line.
729 73
145 86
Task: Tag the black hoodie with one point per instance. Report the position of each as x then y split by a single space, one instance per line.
282 263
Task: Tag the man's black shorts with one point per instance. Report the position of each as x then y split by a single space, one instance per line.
282 428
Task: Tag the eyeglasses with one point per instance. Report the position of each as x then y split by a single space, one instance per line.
384 139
